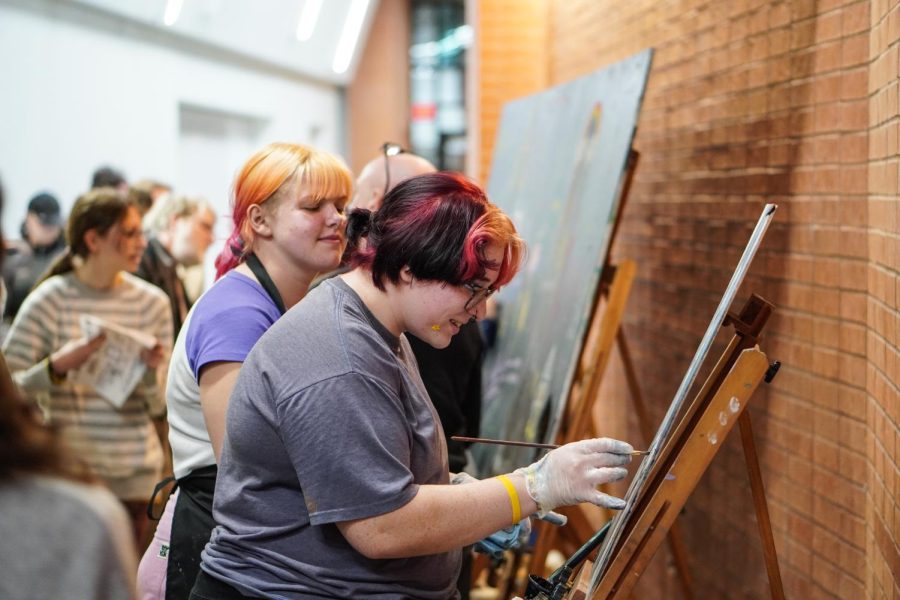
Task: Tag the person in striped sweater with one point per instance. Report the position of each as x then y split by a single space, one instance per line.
122 445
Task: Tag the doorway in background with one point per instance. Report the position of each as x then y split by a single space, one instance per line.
212 146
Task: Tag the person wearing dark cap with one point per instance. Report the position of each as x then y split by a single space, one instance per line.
42 241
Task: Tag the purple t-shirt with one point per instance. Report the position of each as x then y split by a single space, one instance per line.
227 322
223 326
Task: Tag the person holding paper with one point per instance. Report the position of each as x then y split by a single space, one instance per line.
48 350
289 224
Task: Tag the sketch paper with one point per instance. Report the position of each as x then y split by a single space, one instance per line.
115 368
665 429
557 166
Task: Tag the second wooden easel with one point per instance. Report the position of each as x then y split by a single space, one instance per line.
604 334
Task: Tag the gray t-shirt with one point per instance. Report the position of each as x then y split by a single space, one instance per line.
329 421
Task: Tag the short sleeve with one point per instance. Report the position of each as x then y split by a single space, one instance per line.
349 442
225 335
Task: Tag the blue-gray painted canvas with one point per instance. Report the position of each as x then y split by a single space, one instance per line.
558 164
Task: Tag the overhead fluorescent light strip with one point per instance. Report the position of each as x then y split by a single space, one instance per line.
173 10
309 16
350 35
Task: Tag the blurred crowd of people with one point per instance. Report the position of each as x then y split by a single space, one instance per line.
299 412
120 255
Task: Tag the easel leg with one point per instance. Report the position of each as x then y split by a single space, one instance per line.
507 584
676 540
759 502
546 540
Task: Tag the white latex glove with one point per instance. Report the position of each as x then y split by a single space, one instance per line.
569 475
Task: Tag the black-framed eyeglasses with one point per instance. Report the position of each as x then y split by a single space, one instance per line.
389 149
478 294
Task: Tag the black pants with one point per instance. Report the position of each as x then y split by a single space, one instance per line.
192 524
208 587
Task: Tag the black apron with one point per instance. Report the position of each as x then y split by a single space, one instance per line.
192 521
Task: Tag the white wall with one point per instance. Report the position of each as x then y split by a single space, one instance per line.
209 142
78 92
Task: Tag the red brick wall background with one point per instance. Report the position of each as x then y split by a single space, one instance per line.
378 97
754 101
512 45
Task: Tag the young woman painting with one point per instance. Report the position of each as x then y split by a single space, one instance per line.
334 475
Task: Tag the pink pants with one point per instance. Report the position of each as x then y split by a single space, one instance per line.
151 575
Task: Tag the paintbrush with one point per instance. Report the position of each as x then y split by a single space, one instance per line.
459 438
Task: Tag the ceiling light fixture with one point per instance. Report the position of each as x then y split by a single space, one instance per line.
173 9
350 35
309 16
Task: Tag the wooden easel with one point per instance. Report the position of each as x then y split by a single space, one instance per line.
721 402
606 316
601 337
579 528
604 334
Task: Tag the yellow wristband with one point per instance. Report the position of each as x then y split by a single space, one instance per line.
513 498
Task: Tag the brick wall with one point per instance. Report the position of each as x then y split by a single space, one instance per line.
882 535
792 102
511 41
378 97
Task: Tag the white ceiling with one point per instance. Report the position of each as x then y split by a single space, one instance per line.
259 29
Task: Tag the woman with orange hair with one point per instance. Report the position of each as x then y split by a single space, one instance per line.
334 479
288 226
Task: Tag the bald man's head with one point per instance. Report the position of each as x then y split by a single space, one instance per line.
371 181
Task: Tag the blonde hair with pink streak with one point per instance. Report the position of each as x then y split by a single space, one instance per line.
264 175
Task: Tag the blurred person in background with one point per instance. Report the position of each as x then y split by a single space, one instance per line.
107 176
148 191
141 199
180 230
42 241
122 445
53 507
384 172
452 375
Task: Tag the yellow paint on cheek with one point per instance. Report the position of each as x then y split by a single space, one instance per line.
435 327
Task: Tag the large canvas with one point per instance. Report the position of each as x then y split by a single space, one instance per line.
557 166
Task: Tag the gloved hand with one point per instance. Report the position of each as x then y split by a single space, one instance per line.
570 474
504 539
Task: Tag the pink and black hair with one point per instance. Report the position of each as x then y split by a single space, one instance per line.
439 225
